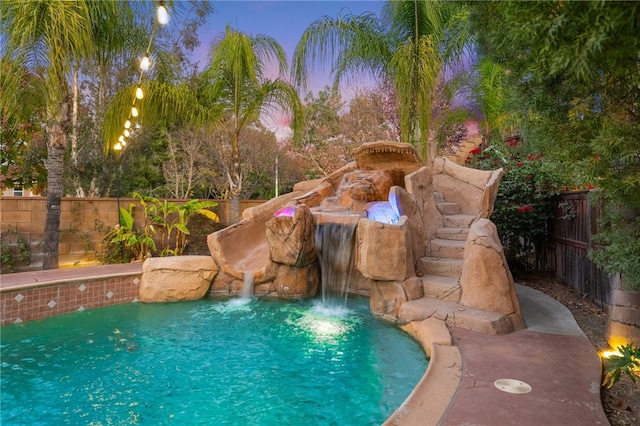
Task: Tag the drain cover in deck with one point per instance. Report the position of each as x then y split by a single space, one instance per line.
512 386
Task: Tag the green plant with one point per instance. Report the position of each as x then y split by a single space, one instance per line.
7 263
138 241
619 241
627 360
163 218
172 220
21 251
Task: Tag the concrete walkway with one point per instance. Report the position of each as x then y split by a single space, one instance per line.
552 356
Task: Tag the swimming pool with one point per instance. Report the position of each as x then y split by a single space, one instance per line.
259 362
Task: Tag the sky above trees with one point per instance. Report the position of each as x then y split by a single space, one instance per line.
284 20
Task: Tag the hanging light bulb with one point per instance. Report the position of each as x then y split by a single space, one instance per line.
139 93
163 15
124 143
121 139
126 133
127 124
134 111
118 147
145 63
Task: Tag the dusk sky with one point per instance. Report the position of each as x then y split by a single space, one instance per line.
283 20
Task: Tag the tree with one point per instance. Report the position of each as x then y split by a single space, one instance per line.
22 144
169 112
409 46
321 133
182 170
488 91
366 120
49 37
573 69
236 83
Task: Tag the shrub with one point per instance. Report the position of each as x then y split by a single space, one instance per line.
619 238
162 218
522 207
14 248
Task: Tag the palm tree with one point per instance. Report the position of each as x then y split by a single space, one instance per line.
409 46
236 84
488 92
48 37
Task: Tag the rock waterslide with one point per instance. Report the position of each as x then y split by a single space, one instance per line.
424 246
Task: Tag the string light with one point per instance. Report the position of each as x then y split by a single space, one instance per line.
145 63
162 18
163 15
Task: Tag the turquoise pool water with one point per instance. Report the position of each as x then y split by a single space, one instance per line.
256 362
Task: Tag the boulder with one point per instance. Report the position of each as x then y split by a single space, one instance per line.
369 186
386 299
383 250
170 279
292 282
291 238
486 282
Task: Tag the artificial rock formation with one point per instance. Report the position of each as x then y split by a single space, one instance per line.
384 250
171 279
486 282
431 253
291 237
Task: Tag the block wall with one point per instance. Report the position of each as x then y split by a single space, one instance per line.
83 224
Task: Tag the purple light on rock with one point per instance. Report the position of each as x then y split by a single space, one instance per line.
287 211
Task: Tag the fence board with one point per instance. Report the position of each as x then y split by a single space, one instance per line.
574 223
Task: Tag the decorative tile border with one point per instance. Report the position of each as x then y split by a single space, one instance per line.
35 303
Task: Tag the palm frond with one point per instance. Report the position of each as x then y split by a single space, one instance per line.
349 43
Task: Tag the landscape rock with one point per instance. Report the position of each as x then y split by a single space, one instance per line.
170 279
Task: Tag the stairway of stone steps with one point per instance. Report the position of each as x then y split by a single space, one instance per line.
441 280
466 147
443 263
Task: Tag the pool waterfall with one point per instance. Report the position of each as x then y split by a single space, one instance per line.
334 243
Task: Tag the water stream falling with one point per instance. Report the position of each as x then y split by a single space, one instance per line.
335 246
247 287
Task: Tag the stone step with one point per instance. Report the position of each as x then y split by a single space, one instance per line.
455 315
446 267
459 220
450 249
469 144
438 196
449 209
441 287
459 234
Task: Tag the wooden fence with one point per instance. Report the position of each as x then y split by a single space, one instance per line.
575 222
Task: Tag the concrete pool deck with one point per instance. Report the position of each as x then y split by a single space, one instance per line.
552 355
